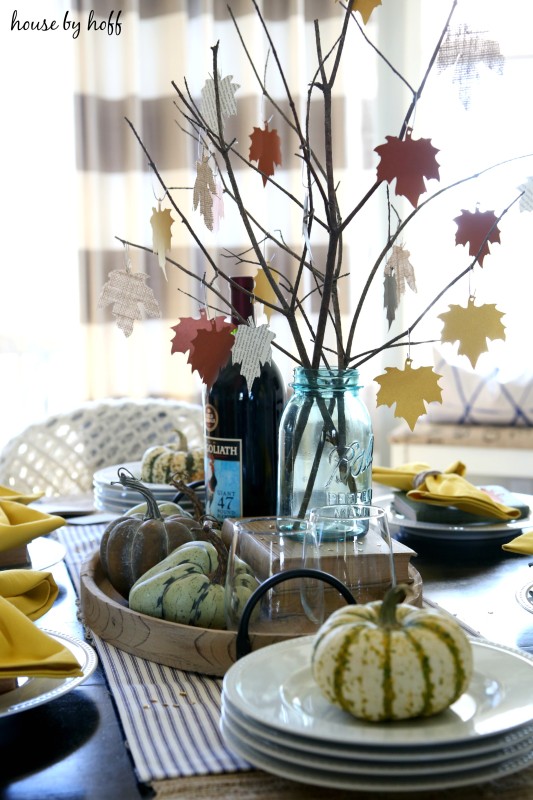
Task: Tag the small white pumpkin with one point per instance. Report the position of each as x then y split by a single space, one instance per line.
382 660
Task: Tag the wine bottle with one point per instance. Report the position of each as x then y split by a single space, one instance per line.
241 432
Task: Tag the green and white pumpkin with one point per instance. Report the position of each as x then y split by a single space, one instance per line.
188 585
175 460
384 660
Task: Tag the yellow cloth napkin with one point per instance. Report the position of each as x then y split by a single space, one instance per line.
19 524
25 650
522 544
448 488
31 591
9 494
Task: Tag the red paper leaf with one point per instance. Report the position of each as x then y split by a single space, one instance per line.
266 150
409 161
211 349
477 229
185 331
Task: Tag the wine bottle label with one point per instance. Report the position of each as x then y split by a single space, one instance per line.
223 477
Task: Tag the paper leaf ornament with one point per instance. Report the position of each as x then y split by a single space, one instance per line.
187 328
204 189
409 161
161 222
365 8
218 205
211 349
266 150
465 51
526 201
264 292
400 269
251 350
410 389
228 104
471 327
391 298
477 229
129 294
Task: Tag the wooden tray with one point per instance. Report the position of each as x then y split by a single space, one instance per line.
210 652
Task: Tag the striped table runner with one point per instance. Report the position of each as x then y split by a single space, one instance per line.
170 717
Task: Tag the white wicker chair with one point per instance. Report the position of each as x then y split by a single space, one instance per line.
60 455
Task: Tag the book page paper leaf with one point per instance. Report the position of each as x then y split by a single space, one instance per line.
204 189
477 229
218 204
526 201
266 150
211 349
464 51
409 161
410 389
251 350
129 293
471 327
390 297
228 105
161 222
263 291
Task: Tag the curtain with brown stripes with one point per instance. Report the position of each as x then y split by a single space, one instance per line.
125 71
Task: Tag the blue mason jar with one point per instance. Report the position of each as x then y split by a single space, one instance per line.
325 443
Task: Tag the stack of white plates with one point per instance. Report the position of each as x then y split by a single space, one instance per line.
275 717
110 495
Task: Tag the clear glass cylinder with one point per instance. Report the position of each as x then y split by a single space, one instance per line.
325 443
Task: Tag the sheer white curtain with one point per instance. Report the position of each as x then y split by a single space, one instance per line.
42 366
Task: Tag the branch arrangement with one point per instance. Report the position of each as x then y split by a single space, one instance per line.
318 210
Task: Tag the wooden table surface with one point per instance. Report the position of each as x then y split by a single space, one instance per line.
73 747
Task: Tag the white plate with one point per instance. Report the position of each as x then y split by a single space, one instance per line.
35 691
473 531
357 762
274 686
482 746
104 479
383 782
45 552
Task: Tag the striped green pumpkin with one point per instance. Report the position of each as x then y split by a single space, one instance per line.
385 660
163 462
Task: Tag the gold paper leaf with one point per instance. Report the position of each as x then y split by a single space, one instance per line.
161 222
471 327
365 8
410 389
263 291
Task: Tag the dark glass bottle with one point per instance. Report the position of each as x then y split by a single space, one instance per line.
241 433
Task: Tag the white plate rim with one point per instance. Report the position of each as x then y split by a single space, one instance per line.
278 663
437 752
45 553
357 782
477 529
103 479
353 761
37 691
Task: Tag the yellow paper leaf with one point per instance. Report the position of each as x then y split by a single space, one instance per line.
161 222
471 327
263 291
365 8
410 389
